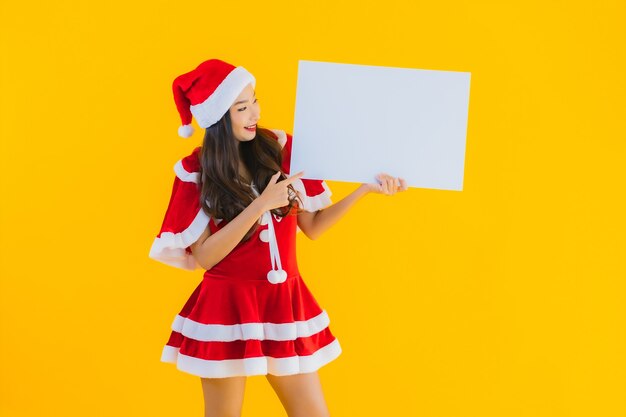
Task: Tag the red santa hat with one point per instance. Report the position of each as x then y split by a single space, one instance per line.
207 93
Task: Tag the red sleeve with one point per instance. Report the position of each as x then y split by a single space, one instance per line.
184 220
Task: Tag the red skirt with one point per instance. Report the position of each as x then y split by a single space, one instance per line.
245 327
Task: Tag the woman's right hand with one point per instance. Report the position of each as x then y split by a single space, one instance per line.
276 194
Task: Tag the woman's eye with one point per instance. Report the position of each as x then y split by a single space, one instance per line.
243 108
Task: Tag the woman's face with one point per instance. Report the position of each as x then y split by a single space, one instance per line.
244 114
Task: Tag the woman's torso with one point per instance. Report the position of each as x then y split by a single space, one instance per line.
250 259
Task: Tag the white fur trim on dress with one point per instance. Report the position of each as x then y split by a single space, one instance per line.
316 202
282 137
217 104
259 331
169 248
185 175
261 365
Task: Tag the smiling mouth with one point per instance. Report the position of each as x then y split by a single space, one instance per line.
253 127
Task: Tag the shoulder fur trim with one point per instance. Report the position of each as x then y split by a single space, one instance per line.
185 175
282 136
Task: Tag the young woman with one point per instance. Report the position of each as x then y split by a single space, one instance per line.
234 213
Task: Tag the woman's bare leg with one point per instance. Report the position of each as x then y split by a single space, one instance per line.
300 394
223 397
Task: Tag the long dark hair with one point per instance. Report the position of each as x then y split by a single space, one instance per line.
224 194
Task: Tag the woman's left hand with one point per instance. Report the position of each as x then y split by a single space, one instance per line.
388 185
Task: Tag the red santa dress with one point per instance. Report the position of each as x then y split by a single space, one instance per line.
237 322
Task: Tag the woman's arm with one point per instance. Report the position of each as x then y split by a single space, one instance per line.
210 249
313 225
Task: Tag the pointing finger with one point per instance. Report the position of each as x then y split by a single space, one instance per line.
294 177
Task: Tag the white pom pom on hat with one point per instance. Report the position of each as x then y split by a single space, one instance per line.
207 93
185 131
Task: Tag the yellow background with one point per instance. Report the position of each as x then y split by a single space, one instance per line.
506 299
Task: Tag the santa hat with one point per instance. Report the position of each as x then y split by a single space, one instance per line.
208 92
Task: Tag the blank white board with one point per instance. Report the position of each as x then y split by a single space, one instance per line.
352 122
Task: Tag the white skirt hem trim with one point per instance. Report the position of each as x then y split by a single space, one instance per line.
261 365
246 331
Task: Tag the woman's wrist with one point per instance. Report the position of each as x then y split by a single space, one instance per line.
258 206
364 189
